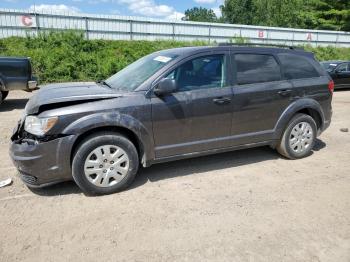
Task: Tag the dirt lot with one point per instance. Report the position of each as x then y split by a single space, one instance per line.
249 205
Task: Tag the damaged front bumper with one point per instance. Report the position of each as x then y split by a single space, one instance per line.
42 163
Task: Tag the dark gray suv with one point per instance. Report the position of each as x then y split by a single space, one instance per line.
170 105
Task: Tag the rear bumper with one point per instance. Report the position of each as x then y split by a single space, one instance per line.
325 125
326 122
32 85
42 163
28 84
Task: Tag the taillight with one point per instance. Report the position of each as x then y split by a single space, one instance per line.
331 86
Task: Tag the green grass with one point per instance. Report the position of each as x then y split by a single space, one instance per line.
68 56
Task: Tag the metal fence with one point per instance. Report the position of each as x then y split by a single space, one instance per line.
22 22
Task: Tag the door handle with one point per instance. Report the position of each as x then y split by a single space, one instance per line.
285 92
222 100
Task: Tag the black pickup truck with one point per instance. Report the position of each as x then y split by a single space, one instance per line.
15 74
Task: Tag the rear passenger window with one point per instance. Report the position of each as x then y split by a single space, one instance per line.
253 68
297 67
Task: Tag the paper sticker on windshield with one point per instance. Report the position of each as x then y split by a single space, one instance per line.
162 59
333 64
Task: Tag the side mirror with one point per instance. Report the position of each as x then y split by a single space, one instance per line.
165 86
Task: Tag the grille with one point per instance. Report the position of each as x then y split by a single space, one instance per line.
28 178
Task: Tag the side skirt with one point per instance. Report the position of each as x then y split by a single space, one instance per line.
209 152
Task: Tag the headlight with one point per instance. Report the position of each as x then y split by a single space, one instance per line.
39 126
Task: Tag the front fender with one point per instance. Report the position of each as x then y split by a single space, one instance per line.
89 122
292 109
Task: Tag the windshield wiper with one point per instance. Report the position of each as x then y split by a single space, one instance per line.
103 82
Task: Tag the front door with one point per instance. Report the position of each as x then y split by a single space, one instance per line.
342 76
197 117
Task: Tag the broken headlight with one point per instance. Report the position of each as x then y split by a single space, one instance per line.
39 126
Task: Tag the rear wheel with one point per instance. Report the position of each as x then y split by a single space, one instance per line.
105 163
3 95
299 137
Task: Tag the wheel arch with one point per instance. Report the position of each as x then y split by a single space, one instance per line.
113 129
314 114
305 106
2 84
123 124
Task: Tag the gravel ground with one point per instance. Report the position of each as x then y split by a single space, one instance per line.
249 205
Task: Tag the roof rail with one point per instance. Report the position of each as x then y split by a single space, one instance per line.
267 45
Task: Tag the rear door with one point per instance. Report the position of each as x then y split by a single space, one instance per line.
260 95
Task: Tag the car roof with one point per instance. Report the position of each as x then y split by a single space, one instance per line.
334 61
186 51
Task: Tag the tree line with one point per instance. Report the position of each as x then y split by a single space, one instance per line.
69 56
310 14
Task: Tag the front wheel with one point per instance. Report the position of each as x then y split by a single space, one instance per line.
105 163
299 137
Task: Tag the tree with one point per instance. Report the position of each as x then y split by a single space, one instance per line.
281 13
262 12
238 11
312 14
328 14
200 14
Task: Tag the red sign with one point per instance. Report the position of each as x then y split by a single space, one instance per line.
27 20
261 34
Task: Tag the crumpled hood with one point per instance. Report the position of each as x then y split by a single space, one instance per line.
67 93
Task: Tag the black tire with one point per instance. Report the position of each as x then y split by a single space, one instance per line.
284 147
4 94
93 142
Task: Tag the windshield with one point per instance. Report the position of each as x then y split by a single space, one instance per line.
329 66
132 76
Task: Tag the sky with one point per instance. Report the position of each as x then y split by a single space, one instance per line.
162 9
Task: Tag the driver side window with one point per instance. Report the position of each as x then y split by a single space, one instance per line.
201 73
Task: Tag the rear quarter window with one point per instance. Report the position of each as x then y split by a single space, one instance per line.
297 67
256 68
